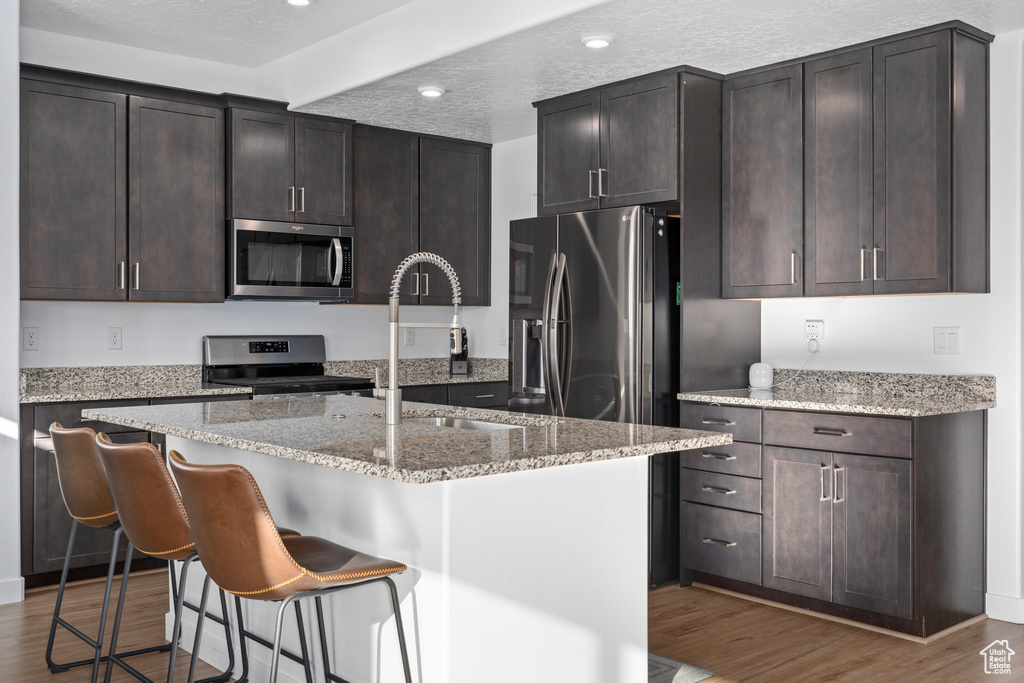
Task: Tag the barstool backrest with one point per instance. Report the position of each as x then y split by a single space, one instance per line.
235 535
80 473
146 498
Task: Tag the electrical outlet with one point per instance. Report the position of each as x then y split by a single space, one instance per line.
502 336
410 337
114 338
947 341
814 333
30 338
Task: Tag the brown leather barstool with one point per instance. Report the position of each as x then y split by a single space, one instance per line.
244 554
83 486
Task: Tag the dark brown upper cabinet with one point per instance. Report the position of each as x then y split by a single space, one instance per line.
455 219
73 192
419 193
838 210
121 197
931 220
762 184
613 147
290 168
175 201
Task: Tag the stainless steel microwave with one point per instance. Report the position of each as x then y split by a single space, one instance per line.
270 260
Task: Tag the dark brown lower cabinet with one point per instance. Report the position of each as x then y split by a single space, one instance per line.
489 395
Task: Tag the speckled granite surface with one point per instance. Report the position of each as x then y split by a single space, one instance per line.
112 382
869 393
309 430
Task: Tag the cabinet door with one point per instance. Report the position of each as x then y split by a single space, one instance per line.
912 164
261 168
640 142
51 523
568 154
387 190
797 522
838 175
871 554
762 184
176 201
73 180
323 172
455 219
429 393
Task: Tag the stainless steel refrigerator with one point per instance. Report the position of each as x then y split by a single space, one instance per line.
610 313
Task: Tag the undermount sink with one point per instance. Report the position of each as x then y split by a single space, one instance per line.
459 423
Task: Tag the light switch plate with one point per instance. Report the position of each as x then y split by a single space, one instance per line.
410 336
947 341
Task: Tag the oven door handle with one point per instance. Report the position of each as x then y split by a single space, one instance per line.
335 251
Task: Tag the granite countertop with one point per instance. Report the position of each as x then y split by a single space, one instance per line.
868 393
310 430
113 391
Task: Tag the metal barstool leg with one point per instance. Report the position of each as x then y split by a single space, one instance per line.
106 606
275 657
323 638
178 608
401 629
226 676
120 609
306 663
57 668
244 678
199 631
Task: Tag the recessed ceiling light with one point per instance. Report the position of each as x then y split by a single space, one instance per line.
597 41
430 91
298 3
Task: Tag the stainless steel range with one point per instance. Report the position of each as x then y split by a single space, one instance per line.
277 367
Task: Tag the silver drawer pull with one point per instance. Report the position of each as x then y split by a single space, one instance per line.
719 423
88 419
715 489
831 432
718 456
485 395
715 541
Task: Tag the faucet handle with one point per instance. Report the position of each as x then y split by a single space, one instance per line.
378 391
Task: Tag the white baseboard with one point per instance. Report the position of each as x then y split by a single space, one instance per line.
214 650
1004 608
12 590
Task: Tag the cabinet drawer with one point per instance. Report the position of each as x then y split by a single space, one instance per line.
723 490
428 393
721 542
483 395
743 423
889 437
69 415
738 457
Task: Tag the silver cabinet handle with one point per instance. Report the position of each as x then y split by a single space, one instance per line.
830 432
792 268
717 456
120 275
291 198
590 184
718 423
874 262
835 486
715 541
336 243
302 200
137 269
484 396
600 183
426 284
824 468
863 254
715 489
415 284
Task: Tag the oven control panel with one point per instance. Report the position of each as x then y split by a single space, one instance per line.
268 347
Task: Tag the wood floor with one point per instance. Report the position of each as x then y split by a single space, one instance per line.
737 639
24 628
744 641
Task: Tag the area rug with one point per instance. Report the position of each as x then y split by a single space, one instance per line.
664 670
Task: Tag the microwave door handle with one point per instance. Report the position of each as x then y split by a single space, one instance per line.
336 251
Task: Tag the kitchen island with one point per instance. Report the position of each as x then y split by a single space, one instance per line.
526 541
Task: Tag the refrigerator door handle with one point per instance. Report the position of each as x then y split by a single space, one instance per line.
545 342
565 363
551 320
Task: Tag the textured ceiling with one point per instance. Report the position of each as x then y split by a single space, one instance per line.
491 87
243 32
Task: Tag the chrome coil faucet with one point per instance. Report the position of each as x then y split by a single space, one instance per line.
393 395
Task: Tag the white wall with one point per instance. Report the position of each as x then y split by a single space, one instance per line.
894 334
11 584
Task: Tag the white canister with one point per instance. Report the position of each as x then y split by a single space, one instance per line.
761 376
